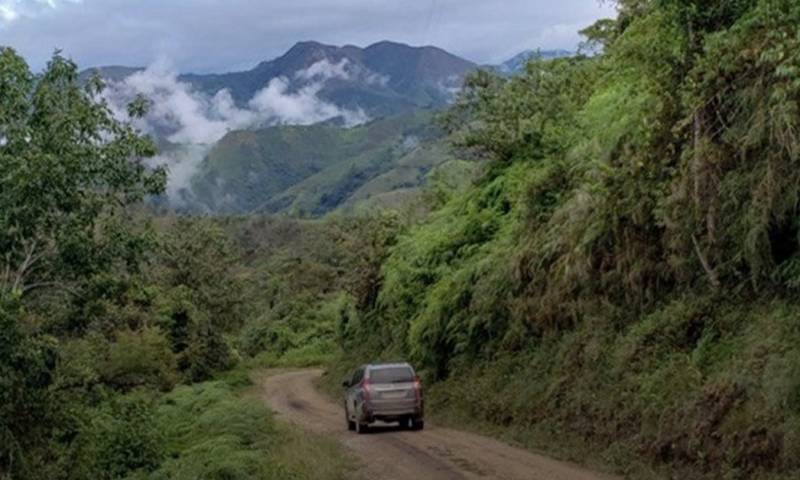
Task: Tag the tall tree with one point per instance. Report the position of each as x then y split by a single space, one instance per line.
68 170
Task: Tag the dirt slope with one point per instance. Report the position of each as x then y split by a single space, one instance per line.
389 454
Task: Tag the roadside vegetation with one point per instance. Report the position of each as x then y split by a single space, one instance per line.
125 338
621 284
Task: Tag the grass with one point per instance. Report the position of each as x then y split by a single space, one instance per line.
312 355
222 430
695 389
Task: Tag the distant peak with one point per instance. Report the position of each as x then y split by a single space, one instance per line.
388 44
308 45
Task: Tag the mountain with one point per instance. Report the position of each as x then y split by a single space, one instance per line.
114 73
517 63
311 170
382 79
277 142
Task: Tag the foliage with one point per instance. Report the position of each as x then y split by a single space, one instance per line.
67 165
69 172
137 359
603 284
203 296
121 437
214 433
104 309
308 171
26 372
620 281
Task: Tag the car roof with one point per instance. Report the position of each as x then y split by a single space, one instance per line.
377 366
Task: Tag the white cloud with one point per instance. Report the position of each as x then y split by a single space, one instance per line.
196 121
182 163
11 10
7 13
343 70
177 113
325 70
279 105
409 143
376 78
183 115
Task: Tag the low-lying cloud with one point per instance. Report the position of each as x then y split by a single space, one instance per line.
344 69
277 103
195 121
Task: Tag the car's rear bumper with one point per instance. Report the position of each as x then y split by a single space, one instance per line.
391 412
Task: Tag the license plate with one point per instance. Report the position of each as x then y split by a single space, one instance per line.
391 395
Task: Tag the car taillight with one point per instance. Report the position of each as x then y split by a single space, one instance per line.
365 386
418 389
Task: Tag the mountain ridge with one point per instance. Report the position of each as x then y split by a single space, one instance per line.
384 78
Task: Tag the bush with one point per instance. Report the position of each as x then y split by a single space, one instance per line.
214 433
121 437
27 365
139 359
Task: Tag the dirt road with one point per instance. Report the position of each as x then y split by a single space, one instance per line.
387 453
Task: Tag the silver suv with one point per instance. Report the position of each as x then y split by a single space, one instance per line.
385 392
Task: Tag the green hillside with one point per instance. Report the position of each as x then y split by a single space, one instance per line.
622 285
310 170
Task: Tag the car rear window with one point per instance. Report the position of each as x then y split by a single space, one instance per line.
391 375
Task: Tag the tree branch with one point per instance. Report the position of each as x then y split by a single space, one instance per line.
712 275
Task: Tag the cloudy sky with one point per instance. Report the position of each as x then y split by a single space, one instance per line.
222 35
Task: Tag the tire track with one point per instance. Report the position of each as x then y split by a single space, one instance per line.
392 454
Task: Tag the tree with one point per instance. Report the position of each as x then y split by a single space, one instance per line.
68 172
69 169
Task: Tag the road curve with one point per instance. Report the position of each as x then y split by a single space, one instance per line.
391 454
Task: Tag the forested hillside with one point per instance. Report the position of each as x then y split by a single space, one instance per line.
311 170
621 284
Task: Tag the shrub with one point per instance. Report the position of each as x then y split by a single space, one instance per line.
137 359
121 437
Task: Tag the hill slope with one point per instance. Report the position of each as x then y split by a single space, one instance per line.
310 170
624 282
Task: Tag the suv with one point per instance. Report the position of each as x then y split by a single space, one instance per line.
386 392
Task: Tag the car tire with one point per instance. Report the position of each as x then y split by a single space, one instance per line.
417 424
351 425
361 428
407 423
